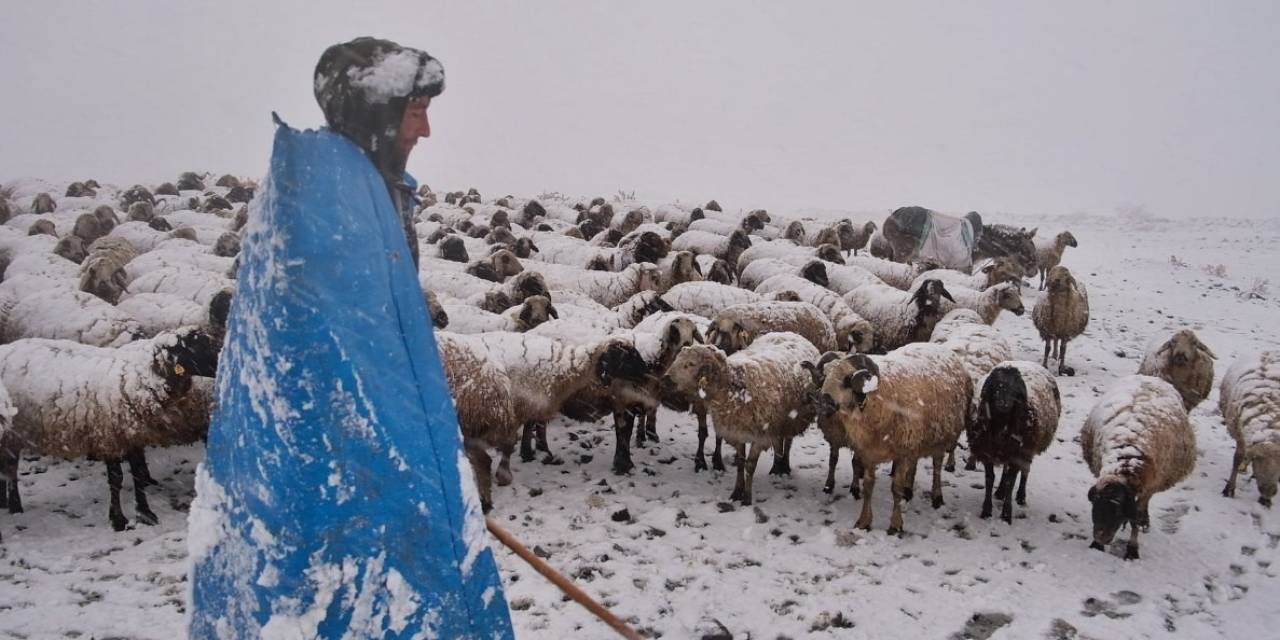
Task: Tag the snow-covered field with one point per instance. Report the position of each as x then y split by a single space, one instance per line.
664 548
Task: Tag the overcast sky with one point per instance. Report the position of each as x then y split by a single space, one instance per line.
1011 106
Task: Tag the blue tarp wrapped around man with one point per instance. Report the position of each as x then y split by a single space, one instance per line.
335 500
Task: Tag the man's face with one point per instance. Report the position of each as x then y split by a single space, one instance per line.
414 125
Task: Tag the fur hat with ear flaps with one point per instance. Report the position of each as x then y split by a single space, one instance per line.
363 87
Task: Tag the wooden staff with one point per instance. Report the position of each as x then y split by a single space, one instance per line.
562 582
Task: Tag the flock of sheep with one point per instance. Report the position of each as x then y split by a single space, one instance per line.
113 304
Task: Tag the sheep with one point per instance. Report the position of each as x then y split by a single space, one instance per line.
483 293
899 317
466 319
71 248
45 264
737 326
1137 442
784 250
451 248
677 215
1184 362
813 270
706 299
994 272
79 190
43 203
495 267
87 228
899 407
439 318
1250 403
607 288
980 347
103 272
853 331
987 303
190 181
1049 253
1013 419
714 269
832 429
756 397
156 313
544 373
140 212
894 274
727 248
77 401
1060 315
677 268
584 320
484 401
723 228
141 234
817 236
177 254
196 285
136 193
853 237
42 227
227 245
62 314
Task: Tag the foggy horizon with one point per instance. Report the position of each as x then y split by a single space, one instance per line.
998 107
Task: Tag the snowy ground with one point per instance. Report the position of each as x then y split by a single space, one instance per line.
792 565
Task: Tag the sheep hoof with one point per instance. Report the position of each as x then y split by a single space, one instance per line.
1007 517
1067 371
717 464
119 523
699 464
986 512
908 494
737 494
1229 491
894 531
855 492
502 479
937 501
1097 546
622 467
828 488
779 470
1022 500
527 456
1131 553
865 526
971 464
147 517
1265 501
746 501
552 459
950 466
15 507
486 506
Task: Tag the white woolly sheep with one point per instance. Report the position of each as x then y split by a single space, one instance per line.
1049 252
78 401
900 407
737 326
196 285
607 288
727 248
899 317
756 397
1250 402
786 250
156 313
987 303
61 314
813 270
853 331
1138 442
466 319
706 299
989 274
1060 315
1014 417
894 274
1184 362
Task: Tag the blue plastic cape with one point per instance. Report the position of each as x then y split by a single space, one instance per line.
335 500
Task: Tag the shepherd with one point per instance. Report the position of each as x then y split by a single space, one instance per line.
335 499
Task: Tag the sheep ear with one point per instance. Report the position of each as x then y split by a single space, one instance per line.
1205 348
551 311
944 293
989 268
526 315
1032 232
1093 493
697 267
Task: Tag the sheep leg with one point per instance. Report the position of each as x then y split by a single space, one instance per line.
908 488
989 473
1007 477
739 462
937 481
1144 516
1229 491
832 460
868 485
905 473
481 465
779 467
550 458
717 460
139 474
115 478
503 476
9 496
640 433
1045 362
1131 549
623 423
1063 369
1042 273
651 425
752 458
950 465
700 461
137 459
527 453
854 488
1022 485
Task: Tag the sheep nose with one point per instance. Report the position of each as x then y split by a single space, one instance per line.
1019 311
826 405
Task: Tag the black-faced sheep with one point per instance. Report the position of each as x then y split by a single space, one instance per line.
899 317
1014 416
1138 442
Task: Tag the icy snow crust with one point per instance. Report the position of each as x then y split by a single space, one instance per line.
790 564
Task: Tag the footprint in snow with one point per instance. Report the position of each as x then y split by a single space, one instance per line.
1171 517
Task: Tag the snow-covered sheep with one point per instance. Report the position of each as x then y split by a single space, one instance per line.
42 227
1184 362
756 397
894 274
43 203
484 401
1138 442
1049 252
1014 417
1250 403
72 248
747 224
899 317
141 235
495 267
813 270
196 285
786 250
714 269
535 310
987 303
727 248
156 313
103 272
853 331
706 299
832 428
677 215
47 265
737 326
62 314
989 274
77 401
677 268
1060 315
177 254
854 237
900 407
607 288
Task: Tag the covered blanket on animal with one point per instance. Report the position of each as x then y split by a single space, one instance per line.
335 500
947 241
